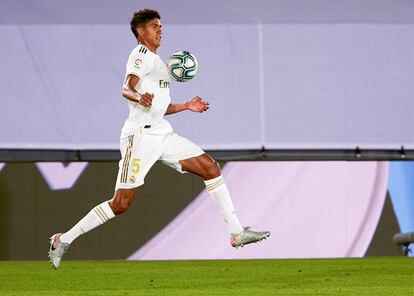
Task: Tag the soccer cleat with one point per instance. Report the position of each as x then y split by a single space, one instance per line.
57 250
247 236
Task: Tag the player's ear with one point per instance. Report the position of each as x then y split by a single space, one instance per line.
140 31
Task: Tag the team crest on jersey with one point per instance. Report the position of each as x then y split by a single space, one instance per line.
132 179
138 63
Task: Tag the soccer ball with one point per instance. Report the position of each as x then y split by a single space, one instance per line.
182 66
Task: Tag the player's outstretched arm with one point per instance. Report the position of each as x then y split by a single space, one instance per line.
129 92
196 104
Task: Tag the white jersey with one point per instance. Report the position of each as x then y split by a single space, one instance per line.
153 79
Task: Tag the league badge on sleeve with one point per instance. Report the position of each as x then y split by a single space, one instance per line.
138 63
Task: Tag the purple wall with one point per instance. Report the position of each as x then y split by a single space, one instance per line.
314 209
283 74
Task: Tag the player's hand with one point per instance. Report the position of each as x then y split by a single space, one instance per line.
197 104
146 100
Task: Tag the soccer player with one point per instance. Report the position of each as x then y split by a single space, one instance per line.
147 137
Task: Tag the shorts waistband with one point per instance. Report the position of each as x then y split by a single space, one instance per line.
144 129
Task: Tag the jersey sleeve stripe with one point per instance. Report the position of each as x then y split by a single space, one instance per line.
143 49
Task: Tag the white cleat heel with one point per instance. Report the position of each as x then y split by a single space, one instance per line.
57 250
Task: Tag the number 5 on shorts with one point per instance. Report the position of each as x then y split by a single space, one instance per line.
135 165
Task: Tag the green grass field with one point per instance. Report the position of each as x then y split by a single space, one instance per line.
365 276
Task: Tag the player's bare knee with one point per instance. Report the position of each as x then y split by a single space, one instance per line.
119 206
120 202
212 170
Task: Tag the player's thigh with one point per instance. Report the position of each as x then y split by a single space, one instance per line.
139 153
179 148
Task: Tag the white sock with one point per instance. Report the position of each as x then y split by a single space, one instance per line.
221 198
97 216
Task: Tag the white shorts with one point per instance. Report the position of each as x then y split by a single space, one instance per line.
140 152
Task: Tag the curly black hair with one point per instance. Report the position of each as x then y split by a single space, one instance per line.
141 18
